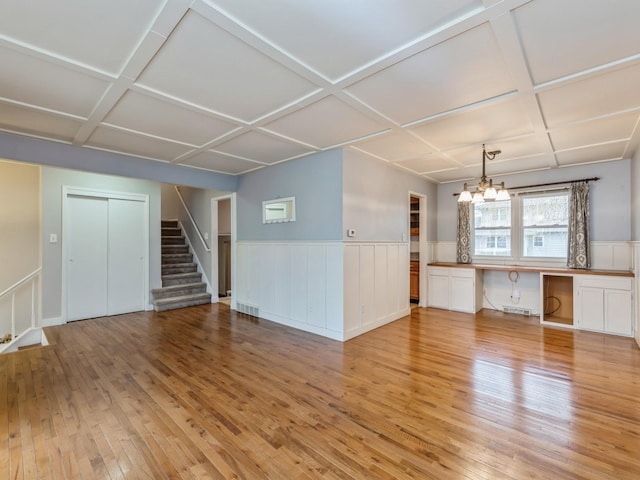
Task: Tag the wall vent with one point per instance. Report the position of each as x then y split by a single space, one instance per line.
518 310
252 310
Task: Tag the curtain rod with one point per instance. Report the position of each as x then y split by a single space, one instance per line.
592 179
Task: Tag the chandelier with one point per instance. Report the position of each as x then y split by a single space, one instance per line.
485 190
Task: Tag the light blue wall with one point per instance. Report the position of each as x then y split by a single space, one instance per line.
316 183
44 152
610 198
376 197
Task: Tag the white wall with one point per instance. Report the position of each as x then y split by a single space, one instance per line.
376 197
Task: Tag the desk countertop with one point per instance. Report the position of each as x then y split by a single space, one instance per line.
534 269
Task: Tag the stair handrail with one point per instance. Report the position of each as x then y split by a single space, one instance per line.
193 222
19 283
31 278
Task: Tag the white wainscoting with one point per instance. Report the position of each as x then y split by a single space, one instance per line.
295 284
376 285
335 289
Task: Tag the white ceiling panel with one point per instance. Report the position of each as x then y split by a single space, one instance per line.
36 82
153 116
511 149
334 37
522 164
467 68
100 34
204 65
394 146
577 34
221 163
492 121
469 174
131 144
262 148
326 123
231 86
617 127
428 163
34 122
597 153
611 92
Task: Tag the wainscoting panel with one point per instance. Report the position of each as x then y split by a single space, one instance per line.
334 289
296 284
376 278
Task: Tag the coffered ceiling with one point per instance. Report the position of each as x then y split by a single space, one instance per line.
235 85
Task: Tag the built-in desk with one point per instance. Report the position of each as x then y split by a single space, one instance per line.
598 300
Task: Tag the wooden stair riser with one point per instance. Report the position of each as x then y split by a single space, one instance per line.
169 224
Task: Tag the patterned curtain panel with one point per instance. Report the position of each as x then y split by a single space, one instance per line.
463 237
578 248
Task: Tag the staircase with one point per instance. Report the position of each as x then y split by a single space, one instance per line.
182 285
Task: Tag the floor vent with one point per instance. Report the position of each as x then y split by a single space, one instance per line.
518 310
252 310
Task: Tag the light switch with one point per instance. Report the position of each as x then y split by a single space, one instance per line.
206 235
53 238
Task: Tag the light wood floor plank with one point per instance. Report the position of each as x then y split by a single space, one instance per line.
207 393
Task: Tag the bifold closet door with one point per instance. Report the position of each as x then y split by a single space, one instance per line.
105 256
87 237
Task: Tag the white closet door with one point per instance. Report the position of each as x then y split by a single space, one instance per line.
126 256
86 220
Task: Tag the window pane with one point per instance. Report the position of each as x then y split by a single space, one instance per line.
492 214
492 228
545 210
545 242
493 242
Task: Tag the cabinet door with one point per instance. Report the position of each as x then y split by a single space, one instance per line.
462 294
617 312
591 308
414 285
438 294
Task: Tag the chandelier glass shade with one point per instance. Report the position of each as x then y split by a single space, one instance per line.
485 190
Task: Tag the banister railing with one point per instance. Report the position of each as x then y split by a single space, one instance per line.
193 222
33 278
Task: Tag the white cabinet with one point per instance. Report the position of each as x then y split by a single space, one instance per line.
458 289
604 304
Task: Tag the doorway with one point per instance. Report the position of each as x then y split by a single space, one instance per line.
417 249
222 257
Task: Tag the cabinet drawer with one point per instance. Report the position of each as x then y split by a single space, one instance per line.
439 271
414 266
599 281
463 272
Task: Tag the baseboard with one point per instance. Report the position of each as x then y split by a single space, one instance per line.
51 322
379 323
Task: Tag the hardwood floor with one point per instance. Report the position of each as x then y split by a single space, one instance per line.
207 393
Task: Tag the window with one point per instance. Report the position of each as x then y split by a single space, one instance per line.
492 229
545 219
530 225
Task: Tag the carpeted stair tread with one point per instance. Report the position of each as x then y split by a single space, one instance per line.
179 289
173 258
181 301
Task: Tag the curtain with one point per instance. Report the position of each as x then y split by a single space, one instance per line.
578 242
463 235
